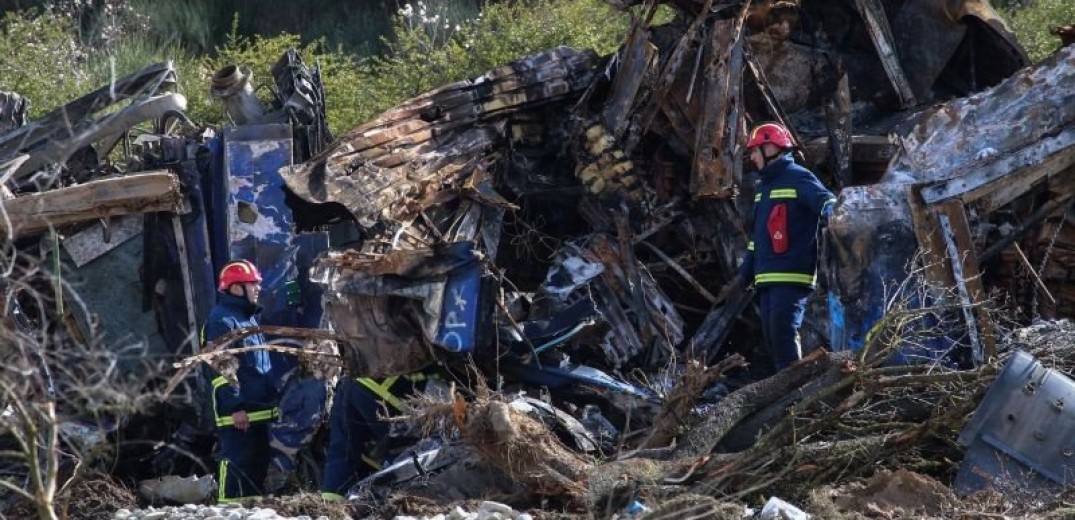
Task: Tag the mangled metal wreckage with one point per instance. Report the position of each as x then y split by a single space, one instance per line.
566 212
604 200
120 185
564 221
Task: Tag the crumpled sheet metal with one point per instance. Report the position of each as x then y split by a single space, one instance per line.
640 316
390 168
386 322
959 137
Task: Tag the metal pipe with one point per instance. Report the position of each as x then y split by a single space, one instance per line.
231 86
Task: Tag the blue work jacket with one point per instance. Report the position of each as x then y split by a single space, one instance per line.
789 205
257 393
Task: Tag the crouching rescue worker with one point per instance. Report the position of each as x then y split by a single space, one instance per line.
790 206
242 412
358 438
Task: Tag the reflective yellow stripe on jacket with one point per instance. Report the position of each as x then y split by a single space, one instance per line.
383 389
256 416
774 278
784 193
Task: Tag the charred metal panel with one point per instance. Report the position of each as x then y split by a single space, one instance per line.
634 62
1022 433
1018 123
435 140
387 309
13 108
870 240
873 14
927 36
101 237
260 224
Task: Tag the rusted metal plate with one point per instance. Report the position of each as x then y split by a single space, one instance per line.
635 62
717 159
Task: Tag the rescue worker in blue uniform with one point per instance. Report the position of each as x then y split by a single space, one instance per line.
242 412
790 206
357 436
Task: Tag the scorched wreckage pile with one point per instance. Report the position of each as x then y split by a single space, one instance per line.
550 238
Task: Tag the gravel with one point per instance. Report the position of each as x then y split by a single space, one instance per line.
487 511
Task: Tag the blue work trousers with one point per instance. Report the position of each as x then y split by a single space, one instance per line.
243 459
354 435
782 310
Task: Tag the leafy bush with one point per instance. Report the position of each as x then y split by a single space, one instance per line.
430 47
1031 21
52 63
43 60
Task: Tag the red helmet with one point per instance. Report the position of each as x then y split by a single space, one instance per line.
239 271
772 133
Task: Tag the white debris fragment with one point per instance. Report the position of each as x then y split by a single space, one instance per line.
986 153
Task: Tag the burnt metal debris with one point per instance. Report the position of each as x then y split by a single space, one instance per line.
562 225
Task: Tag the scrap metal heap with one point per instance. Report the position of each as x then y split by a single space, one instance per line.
625 176
560 226
565 209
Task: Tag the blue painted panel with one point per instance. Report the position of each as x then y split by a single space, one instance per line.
459 312
261 226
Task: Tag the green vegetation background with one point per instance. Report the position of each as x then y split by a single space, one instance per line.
373 53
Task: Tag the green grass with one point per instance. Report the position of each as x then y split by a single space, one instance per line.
1031 21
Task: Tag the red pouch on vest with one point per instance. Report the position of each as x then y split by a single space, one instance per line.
778 228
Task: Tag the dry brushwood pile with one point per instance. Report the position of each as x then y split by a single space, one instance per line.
842 434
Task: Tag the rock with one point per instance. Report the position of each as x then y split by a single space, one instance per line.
524 516
215 517
235 515
459 514
122 514
263 514
497 507
155 515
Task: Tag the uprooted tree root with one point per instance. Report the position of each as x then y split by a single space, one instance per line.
525 449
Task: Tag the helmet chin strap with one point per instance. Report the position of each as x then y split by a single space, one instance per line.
246 293
769 158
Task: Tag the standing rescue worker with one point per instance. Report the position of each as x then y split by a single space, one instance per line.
242 412
790 206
